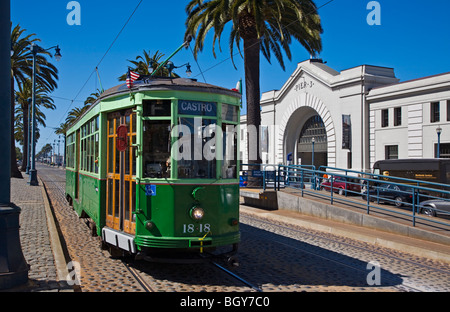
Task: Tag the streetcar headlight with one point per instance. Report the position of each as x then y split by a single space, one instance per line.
197 213
149 225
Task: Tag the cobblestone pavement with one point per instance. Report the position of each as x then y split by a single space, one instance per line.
275 257
35 240
308 260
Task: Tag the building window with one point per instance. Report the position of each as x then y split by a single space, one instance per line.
391 152
384 118
397 116
434 112
444 150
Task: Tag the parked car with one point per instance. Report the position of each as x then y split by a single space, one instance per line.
340 184
435 206
396 194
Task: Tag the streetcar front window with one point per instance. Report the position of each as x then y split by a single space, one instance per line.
156 149
196 153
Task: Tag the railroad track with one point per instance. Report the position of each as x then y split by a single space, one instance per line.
236 276
56 182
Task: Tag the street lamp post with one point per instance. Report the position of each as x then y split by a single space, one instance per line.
439 131
35 49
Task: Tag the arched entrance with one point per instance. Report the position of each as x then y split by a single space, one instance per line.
312 143
307 116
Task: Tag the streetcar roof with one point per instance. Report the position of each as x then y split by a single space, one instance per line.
148 83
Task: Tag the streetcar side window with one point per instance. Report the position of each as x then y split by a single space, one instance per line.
70 151
229 149
156 148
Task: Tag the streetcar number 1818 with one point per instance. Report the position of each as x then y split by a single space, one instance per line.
191 228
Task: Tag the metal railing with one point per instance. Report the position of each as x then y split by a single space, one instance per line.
359 189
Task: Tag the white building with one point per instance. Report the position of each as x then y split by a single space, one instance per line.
356 117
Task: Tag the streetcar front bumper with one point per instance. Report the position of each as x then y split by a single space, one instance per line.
187 242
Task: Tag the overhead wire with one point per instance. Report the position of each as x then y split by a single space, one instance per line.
98 64
201 71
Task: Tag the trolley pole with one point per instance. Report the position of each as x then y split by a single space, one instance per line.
13 268
185 44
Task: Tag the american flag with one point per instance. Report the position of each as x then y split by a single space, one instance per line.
131 76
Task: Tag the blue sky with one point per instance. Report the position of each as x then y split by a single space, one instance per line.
413 38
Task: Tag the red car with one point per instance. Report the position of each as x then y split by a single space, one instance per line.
340 184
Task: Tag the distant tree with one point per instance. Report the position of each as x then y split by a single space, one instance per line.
23 111
22 69
146 64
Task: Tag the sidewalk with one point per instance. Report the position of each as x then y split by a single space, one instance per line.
39 239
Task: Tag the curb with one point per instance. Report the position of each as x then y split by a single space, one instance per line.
58 254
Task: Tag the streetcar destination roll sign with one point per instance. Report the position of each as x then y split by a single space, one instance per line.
200 108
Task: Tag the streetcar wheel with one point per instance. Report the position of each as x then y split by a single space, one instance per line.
115 252
69 200
232 261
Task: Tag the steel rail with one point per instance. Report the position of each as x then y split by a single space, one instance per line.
237 277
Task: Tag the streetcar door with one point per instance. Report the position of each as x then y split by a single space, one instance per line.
121 171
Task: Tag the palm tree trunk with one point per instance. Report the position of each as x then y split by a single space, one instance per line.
252 88
15 173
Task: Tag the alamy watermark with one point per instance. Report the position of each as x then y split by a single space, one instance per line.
197 141
374 276
74 16
74 275
374 16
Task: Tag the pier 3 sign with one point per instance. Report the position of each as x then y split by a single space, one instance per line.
304 85
197 108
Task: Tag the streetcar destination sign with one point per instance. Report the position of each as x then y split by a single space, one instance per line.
186 107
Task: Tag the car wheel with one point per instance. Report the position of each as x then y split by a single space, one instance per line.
429 211
341 191
398 201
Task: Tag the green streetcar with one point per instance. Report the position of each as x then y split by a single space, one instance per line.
154 167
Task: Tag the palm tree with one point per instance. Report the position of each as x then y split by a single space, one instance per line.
75 113
146 64
92 98
22 69
22 97
263 25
